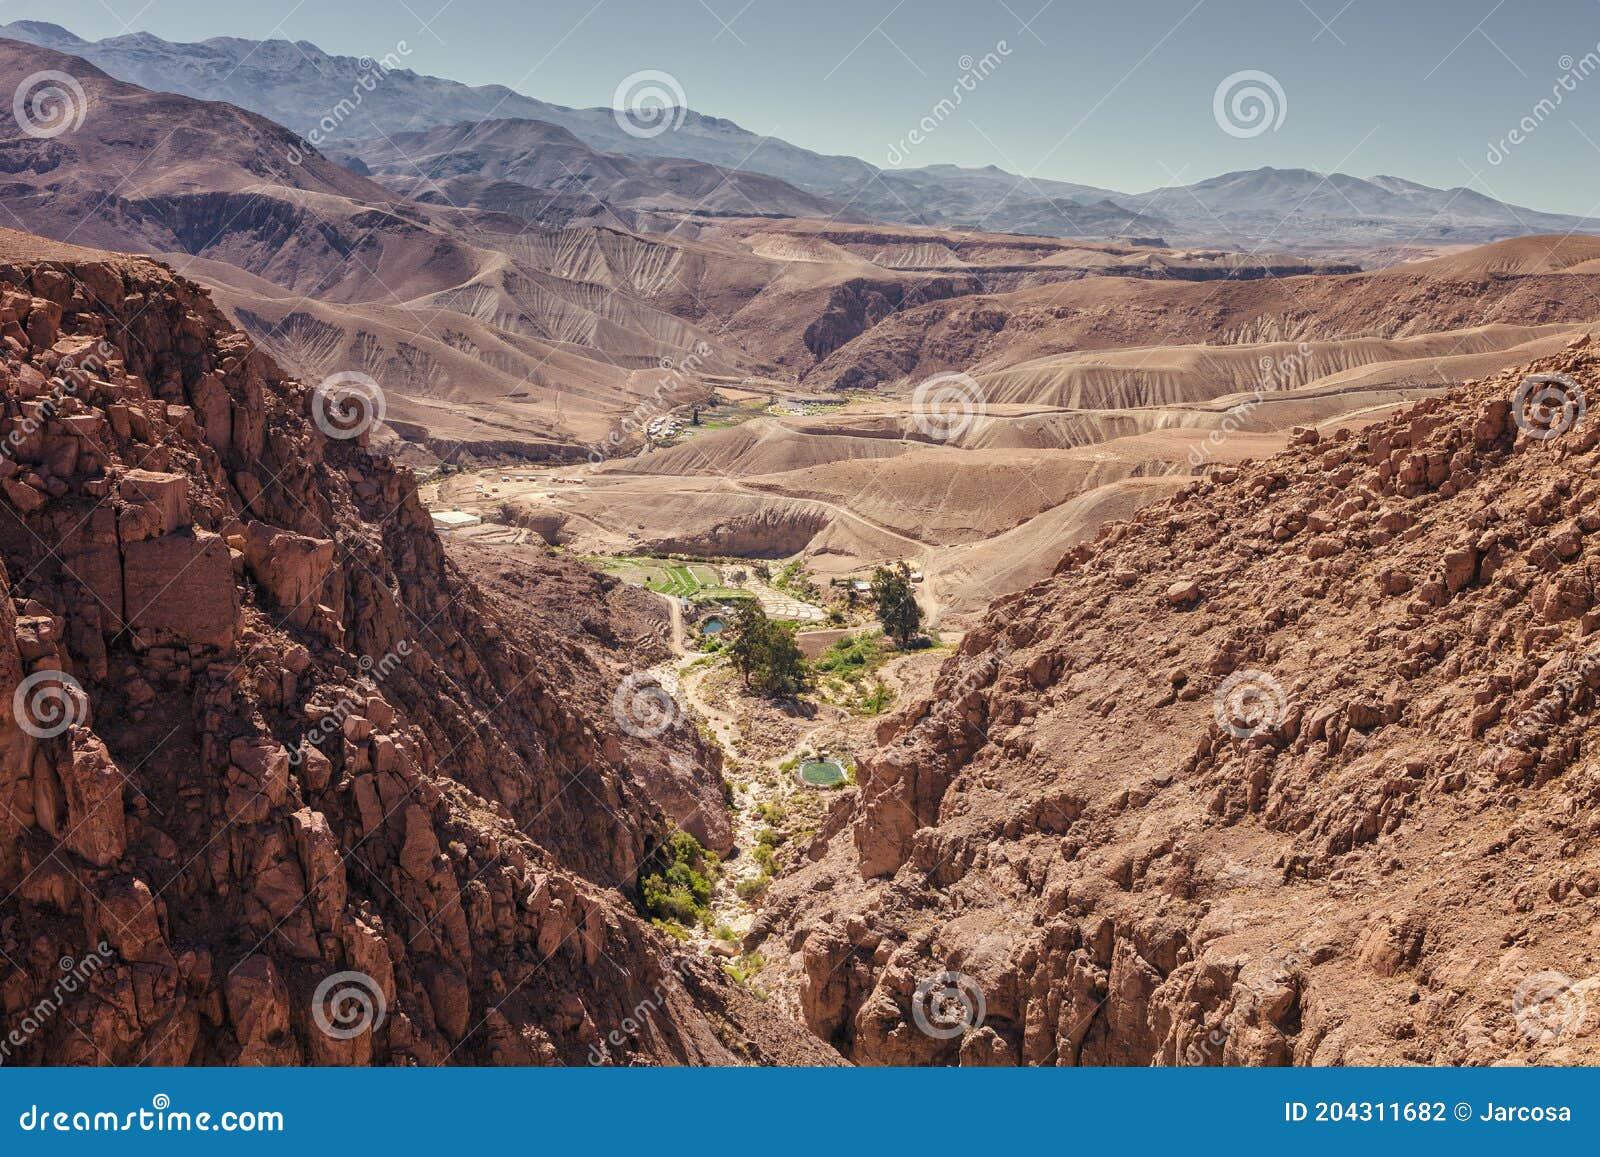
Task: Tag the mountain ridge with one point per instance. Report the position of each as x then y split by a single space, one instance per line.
296 84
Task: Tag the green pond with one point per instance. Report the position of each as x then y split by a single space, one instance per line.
822 772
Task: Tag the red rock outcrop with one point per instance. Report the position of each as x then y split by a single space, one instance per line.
258 736
1298 767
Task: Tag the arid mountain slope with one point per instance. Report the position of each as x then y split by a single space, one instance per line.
488 336
1300 207
297 84
471 163
1297 766
257 731
1525 281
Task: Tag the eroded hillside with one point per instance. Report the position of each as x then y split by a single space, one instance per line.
257 732
1294 767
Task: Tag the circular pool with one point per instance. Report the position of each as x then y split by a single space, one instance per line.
822 773
713 626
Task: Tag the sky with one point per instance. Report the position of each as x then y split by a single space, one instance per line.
1121 94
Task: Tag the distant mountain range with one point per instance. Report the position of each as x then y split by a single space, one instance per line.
485 163
314 93
1275 207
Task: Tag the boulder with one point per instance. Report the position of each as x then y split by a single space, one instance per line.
157 504
292 568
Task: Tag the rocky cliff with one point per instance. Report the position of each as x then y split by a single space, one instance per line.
278 783
1297 767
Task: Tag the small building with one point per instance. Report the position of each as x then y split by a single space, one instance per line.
445 521
862 586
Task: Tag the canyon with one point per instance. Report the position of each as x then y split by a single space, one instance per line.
1246 720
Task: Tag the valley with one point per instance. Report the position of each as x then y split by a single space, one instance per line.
681 598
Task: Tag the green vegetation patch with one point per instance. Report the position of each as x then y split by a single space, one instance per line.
697 582
792 580
676 881
853 656
846 672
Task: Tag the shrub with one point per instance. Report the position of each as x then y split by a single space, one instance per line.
676 882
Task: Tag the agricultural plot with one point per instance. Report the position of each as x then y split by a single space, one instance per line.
697 582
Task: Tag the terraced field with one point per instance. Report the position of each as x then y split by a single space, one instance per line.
693 581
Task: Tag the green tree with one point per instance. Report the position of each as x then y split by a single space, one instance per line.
897 603
765 653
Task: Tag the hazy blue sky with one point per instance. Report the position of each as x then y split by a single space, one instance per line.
1116 93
